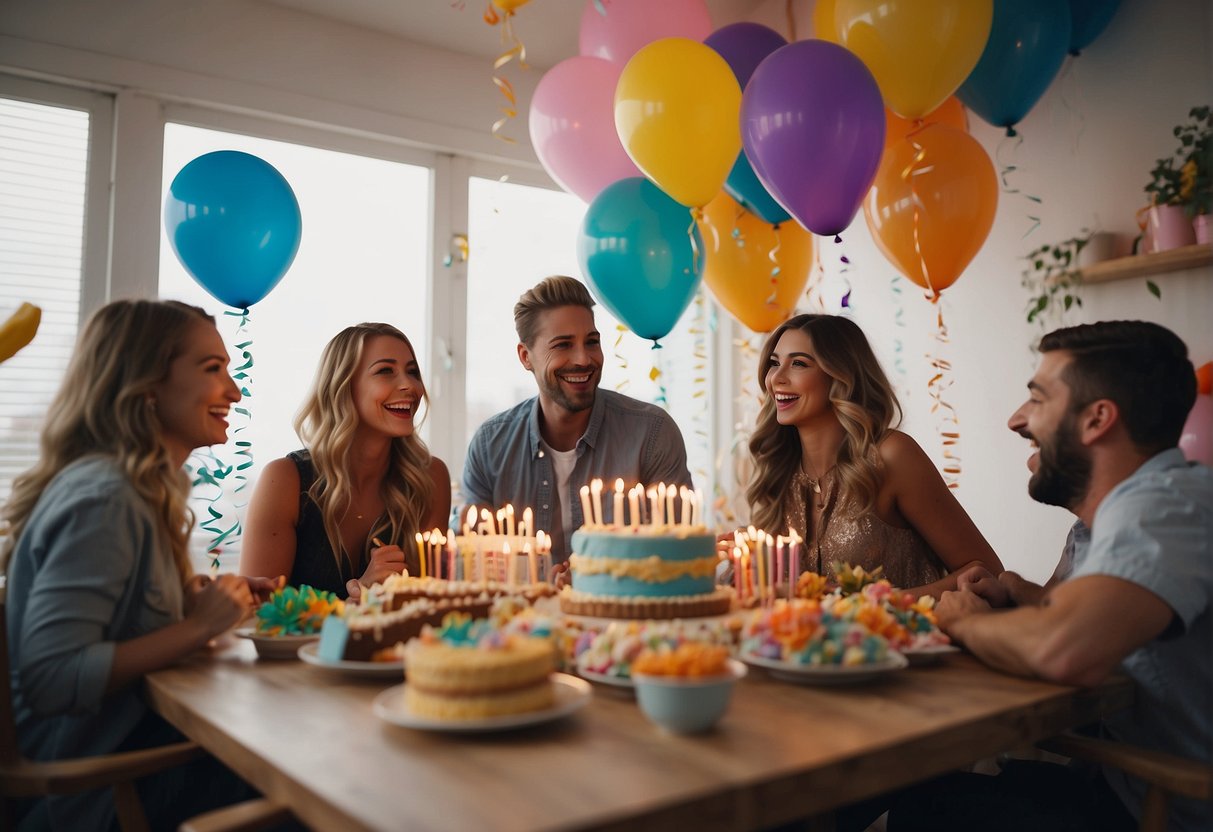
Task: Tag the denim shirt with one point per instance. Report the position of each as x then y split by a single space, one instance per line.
625 438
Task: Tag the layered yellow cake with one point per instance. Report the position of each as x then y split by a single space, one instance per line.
469 670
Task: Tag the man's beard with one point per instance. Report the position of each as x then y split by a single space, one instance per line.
551 386
1064 474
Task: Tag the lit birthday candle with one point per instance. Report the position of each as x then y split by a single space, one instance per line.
654 507
617 506
509 519
587 515
528 523
685 494
634 495
421 552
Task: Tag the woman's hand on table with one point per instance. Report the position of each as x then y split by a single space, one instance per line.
385 561
957 605
220 604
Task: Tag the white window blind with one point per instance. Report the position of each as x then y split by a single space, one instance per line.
43 178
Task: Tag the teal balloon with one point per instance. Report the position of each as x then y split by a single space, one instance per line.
1088 19
235 225
1028 42
636 253
743 185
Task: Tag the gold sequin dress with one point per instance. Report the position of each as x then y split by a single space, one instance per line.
860 540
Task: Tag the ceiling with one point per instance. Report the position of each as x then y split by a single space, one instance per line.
548 28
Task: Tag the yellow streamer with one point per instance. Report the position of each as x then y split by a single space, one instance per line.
515 50
947 419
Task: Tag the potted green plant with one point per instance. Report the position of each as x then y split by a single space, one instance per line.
1196 172
1179 186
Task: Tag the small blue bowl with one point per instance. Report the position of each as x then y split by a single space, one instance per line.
686 705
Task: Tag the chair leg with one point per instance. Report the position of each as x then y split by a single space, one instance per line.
1154 811
128 808
250 816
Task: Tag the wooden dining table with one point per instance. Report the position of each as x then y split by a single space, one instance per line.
308 738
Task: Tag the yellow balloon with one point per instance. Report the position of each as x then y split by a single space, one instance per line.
823 21
738 268
919 50
678 114
509 5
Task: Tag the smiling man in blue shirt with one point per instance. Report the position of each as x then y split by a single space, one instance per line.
540 452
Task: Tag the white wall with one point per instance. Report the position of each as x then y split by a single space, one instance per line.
1087 150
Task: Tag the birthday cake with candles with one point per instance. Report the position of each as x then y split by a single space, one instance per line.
660 569
469 669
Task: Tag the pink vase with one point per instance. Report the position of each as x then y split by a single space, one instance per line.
1169 227
1200 223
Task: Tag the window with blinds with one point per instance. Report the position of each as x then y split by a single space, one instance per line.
43 177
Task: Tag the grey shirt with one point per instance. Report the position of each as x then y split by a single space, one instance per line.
1155 529
625 438
90 570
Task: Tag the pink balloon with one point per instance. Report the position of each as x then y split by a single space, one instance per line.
573 126
630 24
1197 439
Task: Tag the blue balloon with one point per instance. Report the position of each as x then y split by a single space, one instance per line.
1088 19
1028 42
744 186
636 252
234 223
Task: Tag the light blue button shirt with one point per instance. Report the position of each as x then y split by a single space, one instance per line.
1155 529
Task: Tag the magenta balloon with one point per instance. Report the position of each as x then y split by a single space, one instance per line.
812 123
573 126
630 24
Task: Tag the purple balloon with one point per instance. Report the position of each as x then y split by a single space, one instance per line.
744 46
812 124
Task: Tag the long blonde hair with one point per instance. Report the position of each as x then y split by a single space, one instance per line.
862 399
104 408
327 423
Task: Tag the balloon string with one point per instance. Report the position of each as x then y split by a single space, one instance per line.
947 419
845 303
812 292
697 216
773 256
620 360
212 473
515 49
908 174
699 381
899 320
1009 168
656 376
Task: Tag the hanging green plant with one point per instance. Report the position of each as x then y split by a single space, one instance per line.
1052 278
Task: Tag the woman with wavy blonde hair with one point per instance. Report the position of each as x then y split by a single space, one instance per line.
100 589
829 463
343 513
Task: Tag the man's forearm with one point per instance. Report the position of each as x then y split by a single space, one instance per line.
1004 639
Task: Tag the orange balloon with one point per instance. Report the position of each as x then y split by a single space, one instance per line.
950 113
823 21
1204 378
738 268
957 196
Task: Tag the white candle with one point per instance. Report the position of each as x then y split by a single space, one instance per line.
634 495
509 519
509 563
685 493
596 493
587 516
617 517
531 563
654 506
528 523
670 516
771 567
487 517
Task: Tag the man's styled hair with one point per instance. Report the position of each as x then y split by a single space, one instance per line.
549 293
1141 366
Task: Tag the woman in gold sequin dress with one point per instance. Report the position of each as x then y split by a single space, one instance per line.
829 463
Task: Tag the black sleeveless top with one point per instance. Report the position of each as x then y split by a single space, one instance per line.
315 564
